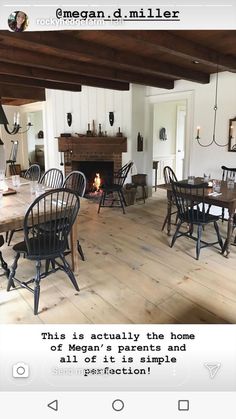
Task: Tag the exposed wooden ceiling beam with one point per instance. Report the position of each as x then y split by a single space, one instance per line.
25 81
20 92
83 50
117 79
57 76
16 102
176 45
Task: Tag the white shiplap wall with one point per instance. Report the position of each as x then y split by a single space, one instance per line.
88 105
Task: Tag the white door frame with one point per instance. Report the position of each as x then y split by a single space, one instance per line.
35 107
188 96
181 109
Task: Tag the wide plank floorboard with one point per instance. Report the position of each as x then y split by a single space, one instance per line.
130 275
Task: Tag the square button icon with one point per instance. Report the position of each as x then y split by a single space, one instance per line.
183 405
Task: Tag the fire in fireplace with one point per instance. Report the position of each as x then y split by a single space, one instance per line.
97 173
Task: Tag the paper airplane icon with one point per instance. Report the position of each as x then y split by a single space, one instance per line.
53 405
213 368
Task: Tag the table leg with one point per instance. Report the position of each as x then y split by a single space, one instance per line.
227 244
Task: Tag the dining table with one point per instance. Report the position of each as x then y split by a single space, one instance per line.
225 198
13 206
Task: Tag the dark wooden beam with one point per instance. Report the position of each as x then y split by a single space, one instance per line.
118 79
16 102
57 76
173 44
88 51
20 92
27 82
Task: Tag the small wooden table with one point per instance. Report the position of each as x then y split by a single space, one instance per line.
12 213
227 200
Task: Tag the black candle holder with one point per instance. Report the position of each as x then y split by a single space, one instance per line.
69 118
111 118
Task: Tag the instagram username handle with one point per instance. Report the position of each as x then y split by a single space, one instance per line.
52 21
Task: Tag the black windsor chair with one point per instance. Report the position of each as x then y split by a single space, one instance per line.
52 178
169 176
112 193
60 205
77 182
192 210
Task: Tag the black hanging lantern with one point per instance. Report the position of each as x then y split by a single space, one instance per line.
69 118
111 118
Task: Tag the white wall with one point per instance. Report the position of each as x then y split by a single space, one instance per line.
165 115
211 158
86 106
134 112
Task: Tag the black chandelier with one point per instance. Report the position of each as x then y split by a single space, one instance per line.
215 108
16 123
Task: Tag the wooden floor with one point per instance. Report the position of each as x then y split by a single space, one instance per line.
130 275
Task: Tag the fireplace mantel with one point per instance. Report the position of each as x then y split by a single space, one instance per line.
78 145
83 148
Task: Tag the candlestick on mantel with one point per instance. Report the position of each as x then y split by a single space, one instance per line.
231 131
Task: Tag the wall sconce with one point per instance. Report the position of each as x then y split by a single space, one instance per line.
111 118
69 118
139 142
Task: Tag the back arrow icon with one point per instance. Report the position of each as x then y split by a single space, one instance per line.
53 405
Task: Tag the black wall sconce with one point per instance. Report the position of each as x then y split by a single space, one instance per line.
69 118
139 142
111 118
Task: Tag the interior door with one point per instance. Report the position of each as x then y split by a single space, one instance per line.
180 141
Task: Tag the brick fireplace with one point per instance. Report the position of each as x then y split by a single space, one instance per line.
97 150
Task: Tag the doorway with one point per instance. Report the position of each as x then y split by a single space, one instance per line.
35 139
169 134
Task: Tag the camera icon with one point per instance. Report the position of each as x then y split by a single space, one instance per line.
20 370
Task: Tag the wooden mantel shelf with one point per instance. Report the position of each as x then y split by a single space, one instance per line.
76 145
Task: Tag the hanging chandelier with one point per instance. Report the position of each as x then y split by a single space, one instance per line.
16 123
215 108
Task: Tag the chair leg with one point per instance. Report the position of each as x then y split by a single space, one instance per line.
121 201
176 233
218 235
164 224
69 272
123 197
80 250
12 273
47 264
198 245
4 265
208 209
223 215
101 202
10 237
37 287
7 233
